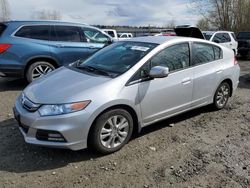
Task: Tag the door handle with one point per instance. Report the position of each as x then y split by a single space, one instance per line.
186 81
219 71
92 47
59 46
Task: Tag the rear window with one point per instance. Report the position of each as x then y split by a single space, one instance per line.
40 32
243 35
2 28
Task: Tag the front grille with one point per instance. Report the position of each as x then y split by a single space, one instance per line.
28 104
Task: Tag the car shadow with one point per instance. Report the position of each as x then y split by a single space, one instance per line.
174 120
244 81
19 157
10 84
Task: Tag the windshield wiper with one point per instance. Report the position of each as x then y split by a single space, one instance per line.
94 69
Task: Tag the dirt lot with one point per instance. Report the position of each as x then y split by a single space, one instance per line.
202 148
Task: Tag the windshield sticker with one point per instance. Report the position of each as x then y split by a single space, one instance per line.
140 48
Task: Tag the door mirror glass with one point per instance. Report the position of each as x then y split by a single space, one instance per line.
159 72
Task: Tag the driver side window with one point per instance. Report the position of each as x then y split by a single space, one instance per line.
175 57
94 36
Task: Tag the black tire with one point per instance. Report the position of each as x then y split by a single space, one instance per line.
32 68
218 103
96 143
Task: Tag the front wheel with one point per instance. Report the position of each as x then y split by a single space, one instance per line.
221 96
38 69
111 131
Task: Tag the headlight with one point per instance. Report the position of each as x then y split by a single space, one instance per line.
59 109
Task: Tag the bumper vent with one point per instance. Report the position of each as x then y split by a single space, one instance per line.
51 136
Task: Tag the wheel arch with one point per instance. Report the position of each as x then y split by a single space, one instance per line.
229 81
48 59
129 109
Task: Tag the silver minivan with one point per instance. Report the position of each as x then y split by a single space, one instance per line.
101 101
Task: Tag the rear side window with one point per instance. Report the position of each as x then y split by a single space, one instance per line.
94 36
111 33
175 57
67 34
217 53
2 28
222 38
41 32
204 53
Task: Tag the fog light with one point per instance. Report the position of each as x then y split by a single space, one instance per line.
53 136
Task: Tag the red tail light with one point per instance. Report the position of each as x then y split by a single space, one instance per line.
235 61
4 47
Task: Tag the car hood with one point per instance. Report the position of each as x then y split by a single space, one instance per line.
189 31
63 85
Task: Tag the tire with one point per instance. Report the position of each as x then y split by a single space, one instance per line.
106 138
38 69
221 96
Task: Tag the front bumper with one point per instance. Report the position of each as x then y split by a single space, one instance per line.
73 127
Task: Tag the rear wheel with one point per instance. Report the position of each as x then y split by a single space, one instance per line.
38 69
221 96
111 131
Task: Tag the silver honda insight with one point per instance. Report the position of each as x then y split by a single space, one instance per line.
99 102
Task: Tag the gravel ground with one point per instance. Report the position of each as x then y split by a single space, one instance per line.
201 148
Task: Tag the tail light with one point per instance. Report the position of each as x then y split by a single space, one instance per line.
235 61
4 47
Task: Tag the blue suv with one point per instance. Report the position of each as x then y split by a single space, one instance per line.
30 49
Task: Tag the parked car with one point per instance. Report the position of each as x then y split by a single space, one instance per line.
142 81
224 38
31 49
125 36
112 33
167 32
243 39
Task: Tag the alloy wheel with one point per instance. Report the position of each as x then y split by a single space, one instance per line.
114 132
41 70
222 95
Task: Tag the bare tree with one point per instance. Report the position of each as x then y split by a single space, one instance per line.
47 15
171 24
225 14
203 24
4 10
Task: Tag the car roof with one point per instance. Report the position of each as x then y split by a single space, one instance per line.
212 32
162 39
23 22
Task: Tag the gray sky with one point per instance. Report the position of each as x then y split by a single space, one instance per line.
112 12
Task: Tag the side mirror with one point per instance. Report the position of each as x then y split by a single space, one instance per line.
159 72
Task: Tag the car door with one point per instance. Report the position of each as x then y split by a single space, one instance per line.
163 97
68 44
207 72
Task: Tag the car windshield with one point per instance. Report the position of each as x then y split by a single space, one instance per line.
243 35
118 57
